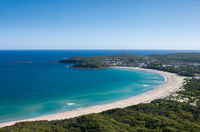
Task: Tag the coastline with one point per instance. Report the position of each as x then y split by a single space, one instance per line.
173 83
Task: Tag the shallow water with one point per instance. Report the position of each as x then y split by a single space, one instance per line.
39 88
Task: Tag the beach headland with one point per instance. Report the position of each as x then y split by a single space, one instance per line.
172 84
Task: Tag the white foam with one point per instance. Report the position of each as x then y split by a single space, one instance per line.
145 85
70 103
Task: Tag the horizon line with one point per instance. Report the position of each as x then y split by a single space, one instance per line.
104 49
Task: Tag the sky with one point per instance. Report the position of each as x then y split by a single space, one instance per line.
100 24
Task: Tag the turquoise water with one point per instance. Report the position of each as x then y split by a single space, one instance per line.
40 88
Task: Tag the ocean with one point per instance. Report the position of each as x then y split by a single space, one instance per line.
40 86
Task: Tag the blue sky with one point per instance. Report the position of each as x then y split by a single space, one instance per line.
99 24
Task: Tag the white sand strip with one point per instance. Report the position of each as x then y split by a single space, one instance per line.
173 83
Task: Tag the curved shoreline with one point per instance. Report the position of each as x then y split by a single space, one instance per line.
172 84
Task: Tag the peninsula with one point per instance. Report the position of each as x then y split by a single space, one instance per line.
185 64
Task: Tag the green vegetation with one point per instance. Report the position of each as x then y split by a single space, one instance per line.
183 70
84 62
191 57
163 115
190 93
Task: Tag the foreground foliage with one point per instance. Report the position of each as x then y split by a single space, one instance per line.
161 115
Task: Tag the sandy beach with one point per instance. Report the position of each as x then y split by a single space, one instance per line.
173 83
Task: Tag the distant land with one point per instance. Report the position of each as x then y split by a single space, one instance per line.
185 64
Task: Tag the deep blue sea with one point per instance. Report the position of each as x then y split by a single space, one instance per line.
42 87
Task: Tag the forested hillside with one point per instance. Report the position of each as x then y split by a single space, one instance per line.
192 57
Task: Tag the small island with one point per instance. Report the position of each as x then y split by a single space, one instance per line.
21 61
